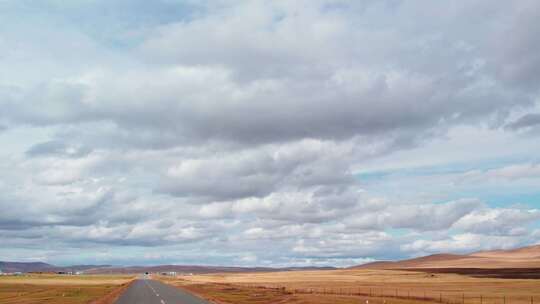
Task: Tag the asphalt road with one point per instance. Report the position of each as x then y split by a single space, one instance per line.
153 292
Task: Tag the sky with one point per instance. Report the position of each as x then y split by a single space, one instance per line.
267 133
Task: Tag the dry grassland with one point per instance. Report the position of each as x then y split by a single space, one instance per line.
357 286
56 289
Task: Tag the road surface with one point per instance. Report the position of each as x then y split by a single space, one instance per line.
144 291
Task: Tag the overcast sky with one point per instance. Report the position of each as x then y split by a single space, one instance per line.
270 133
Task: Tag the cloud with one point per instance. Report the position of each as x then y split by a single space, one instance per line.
528 120
257 98
516 171
259 172
515 60
463 243
219 126
505 222
513 172
421 217
56 148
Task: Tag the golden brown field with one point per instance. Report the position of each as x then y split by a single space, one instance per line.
30 289
359 286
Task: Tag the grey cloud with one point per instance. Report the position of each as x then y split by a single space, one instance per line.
260 172
527 120
246 122
432 217
279 207
503 222
515 57
463 243
309 208
344 246
76 209
350 96
509 173
141 234
57 148
420 217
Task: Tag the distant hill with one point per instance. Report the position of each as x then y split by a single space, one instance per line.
526 257
105 269
426 261
531 252
520 258
23 266
195 269
42 267
84 268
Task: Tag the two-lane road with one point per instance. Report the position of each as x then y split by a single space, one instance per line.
154 292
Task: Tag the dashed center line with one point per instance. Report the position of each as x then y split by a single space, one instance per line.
153 290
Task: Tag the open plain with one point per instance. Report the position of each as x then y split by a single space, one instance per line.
61 289
354 285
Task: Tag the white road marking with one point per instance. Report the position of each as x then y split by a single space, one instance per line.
153 290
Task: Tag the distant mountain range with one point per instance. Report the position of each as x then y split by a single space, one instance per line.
526 257
106 269
22 267
521 258
196 269
43 267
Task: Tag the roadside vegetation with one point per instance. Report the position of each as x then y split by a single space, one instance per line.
61 289
359 286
